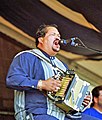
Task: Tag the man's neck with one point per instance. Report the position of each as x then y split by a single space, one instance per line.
98 108
47 52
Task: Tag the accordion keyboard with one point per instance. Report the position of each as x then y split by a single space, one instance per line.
64 86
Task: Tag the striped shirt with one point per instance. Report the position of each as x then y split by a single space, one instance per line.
25 71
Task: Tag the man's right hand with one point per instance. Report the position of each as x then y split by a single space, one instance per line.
51 84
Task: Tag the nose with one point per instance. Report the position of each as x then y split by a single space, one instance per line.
58 38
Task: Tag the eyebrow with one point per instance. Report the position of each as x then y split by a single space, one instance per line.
55 33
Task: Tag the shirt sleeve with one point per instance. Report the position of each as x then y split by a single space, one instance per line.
20 72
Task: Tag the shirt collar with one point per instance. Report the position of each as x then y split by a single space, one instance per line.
47 55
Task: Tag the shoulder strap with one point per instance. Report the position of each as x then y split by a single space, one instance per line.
42 58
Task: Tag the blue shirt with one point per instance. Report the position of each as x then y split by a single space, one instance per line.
23 75
92 112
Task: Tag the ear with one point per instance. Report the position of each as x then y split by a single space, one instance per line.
95 100
40 39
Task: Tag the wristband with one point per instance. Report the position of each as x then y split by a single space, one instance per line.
39 86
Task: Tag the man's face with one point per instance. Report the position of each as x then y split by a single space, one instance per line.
51 41
100 98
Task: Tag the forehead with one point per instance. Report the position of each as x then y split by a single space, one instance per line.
52 29
100 92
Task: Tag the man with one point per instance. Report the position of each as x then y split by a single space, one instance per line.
96 106
32 72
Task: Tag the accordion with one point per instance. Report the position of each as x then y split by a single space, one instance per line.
71 94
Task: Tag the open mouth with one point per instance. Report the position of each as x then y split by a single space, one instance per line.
56 45
56 42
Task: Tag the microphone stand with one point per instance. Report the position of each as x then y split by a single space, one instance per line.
89 48
82 45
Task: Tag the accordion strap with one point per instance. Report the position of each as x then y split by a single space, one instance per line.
47 61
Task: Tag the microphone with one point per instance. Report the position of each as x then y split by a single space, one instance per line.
70 40
76 42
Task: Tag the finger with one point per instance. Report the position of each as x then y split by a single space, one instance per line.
56 89
88 96
85 104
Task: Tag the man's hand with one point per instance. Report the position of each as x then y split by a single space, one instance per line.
87 100
51 84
